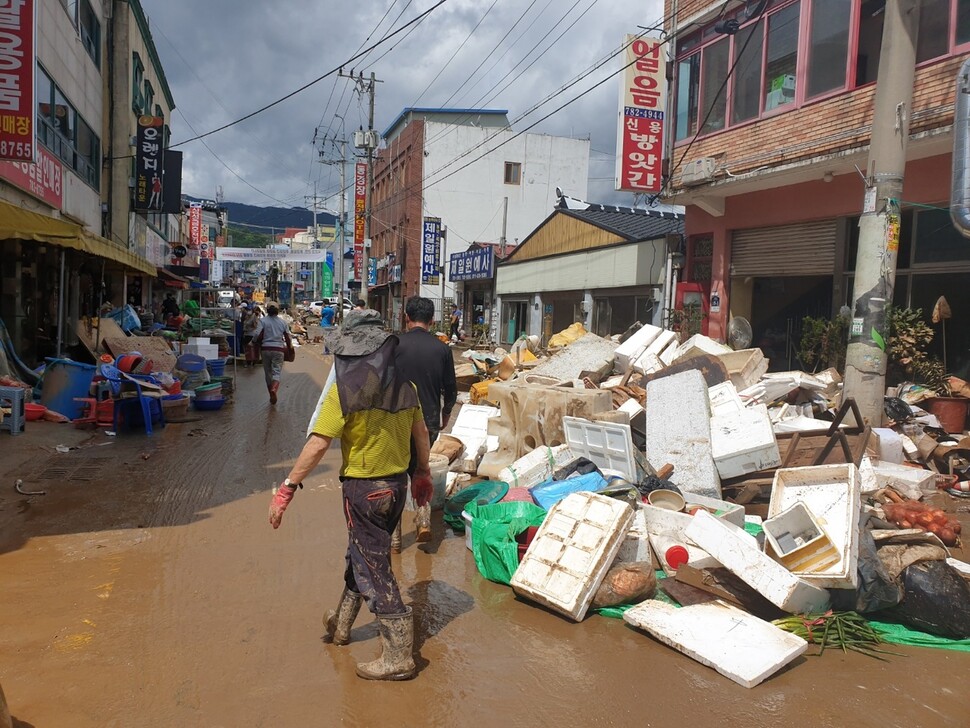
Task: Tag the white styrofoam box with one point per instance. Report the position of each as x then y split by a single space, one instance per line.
699 344
631 349
745 366
207 351
536 466
471 427
672 523
679 432
636 543
605 444
572 551
743 442
724 399
833 494
658 354
736 644
797 541
466 517
889 445
901 476
193 340
630 407
734 549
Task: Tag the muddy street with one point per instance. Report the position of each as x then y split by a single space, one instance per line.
147 589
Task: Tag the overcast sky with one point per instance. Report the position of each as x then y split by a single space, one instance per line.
226 58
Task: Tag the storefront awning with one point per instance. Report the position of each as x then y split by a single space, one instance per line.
20 224
171 280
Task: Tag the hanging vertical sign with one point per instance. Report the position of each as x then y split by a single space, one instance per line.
640 130
18 41
360 211
148 164
430 250
326 277
195 224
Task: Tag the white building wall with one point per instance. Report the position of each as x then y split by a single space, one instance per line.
470 201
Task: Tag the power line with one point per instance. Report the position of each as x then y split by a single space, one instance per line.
305 86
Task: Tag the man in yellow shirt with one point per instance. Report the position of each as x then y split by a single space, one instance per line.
375 413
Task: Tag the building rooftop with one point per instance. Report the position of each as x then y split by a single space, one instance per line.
442 110
631 223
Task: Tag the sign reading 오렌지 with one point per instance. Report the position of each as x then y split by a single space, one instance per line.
640 132
148 164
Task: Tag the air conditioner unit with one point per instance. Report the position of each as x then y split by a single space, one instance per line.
698 171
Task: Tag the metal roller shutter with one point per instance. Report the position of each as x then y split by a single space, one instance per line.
806 248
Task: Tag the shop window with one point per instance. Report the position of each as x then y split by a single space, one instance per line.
963 22
828 45
62 130
747 73
513 173
88 153
89 28
714 101
149 100
64 126
933 39
701 260
781 59
688 86
45 107
937 241
137 79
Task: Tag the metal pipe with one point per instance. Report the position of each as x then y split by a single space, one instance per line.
60 306
960 187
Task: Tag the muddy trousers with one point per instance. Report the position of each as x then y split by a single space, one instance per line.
373 510
272 366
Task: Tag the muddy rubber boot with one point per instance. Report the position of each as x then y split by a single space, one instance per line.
273 389
422 524
397 640
396 539
339 621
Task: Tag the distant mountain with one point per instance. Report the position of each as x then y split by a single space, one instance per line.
272 217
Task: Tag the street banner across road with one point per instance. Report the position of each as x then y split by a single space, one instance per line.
271 254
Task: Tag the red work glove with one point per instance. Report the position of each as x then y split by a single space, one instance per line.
281 499
421 487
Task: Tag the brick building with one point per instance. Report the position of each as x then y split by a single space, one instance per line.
765 159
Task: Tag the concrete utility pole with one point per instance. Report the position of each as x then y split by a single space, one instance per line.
341 218
875 270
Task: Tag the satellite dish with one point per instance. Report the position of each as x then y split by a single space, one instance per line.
739 333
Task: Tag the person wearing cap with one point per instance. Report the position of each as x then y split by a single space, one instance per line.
375 413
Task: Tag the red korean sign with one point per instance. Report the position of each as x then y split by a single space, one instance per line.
43 178
17 48
643 101
195 224
360 212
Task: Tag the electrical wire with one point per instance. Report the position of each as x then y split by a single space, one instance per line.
307 85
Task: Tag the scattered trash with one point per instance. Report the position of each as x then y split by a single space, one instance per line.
17 486
64 448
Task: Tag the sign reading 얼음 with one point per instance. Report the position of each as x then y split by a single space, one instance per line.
472 265
640 132
430 244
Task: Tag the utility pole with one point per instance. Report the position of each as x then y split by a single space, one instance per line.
341 221
875 270
368 141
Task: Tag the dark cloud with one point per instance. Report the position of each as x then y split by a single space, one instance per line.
226 58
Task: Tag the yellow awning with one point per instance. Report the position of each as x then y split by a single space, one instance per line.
21 224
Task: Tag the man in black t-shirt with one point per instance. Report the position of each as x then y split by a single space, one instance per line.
425 360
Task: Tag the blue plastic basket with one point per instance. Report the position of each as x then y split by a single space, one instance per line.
209 404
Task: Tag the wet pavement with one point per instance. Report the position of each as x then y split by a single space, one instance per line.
148 589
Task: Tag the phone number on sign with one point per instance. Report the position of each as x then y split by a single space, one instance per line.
18 150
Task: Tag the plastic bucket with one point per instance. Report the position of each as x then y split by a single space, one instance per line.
217 367
950 411
64 380
439 478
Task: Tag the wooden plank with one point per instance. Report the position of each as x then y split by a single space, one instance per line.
150 347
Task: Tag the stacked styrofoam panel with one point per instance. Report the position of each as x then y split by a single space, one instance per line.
572 551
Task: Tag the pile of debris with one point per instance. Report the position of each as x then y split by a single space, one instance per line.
715 496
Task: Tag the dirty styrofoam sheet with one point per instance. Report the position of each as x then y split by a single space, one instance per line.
587 353
833 494
738 645
471 427
739 554
572 551
607 445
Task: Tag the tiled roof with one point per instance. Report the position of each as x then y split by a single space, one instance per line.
630 223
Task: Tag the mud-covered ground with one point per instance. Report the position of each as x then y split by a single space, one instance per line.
147 589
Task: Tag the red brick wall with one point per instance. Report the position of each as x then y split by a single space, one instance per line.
833 125
397 204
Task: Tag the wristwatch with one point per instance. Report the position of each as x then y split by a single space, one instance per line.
294 486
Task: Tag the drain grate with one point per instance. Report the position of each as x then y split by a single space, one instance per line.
86 470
